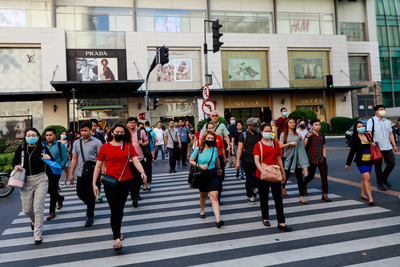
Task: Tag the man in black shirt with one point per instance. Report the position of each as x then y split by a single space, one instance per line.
235 143
95 133
247 141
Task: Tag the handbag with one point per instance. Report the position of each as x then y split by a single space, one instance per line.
88 166
17 178
195 172
54 166
110 181
376 154
273 171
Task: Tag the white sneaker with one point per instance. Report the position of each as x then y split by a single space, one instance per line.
251 200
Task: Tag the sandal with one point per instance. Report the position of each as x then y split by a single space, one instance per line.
117 246
365 198
122 237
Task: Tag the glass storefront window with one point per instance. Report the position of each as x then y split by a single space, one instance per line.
243 22
244 69
308 68
353 31
95 40
358 66
25 13
305 23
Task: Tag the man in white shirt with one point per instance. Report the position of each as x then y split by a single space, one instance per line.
381 131
160 142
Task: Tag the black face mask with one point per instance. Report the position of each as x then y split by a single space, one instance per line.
209 143
254 129
302 126
118 137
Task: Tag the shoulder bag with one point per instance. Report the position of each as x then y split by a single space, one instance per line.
195 172
111 181
54 166
88 166
145 149
17 178
273 171
376 154
176 144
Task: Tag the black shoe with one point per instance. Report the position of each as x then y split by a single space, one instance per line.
267 223
387 183
174 171
285 228
32 226
380 187
178 163
170 170
220 223
203 216
139 197
135 203
38 242
89 222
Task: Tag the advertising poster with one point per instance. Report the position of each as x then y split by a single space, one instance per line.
12 18
244 69
168 24
183 70
308 68
166 73
96 69
14 127
98 22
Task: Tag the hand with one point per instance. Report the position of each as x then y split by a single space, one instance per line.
18 168
294 144
154 160
71 178
45 156
346 167
237 166
219 172
180 146
140 142
166 149
283 177
264 175
233 152
203 167
373 144
96 191
144 177
396 149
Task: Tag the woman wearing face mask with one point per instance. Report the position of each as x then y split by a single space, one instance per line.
33 194
65 141
361 147
115 155
302 129
271 156
207 160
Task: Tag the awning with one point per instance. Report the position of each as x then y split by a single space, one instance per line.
101 107
28 96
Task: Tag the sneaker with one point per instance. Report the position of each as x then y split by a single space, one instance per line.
251 200
242 178
164 161
135 203
174 171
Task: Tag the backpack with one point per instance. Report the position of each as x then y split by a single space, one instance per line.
145 149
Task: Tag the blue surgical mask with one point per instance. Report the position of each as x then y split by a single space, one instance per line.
284 114
233 122
31 140
267 135
63 136
361 130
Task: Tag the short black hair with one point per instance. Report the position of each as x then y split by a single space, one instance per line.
239 122
378 107
140 123
51 130
314 121
147 123
95 121
86 124
265 125
132 119
283 109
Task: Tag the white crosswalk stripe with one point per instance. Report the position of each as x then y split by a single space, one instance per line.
166 230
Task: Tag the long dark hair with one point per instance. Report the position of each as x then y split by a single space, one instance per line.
286 131
39 141
203 141
127 136
355 132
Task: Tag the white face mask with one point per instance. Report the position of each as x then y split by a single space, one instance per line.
382 113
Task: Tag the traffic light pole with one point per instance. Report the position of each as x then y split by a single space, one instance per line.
146 99
205 48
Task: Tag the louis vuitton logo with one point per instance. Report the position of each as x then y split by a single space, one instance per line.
31 58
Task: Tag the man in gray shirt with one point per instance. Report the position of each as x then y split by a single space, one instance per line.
172 144
83 164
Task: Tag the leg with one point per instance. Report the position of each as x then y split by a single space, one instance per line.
90 199
156 149
38 203
363 188
215 204
66 174
276 193
178 154
323 171
203 198
311 174
162 152
388 156
27 195
172 158
287 174
184 152
53 191
263 191
367 182
249 178
221 177
378 173
300 184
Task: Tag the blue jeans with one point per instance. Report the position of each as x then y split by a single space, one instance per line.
157 148
241 167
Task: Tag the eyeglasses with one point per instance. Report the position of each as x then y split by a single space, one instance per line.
214 115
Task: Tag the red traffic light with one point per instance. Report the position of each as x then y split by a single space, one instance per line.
142 116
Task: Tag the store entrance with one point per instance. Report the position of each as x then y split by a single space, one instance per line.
242 114
184 118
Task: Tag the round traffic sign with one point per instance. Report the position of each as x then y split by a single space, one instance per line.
208 107
206 92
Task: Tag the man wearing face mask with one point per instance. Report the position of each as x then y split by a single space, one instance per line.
281 122
247 141
232 128
381 131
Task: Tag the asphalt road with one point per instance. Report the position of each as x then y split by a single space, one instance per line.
165 229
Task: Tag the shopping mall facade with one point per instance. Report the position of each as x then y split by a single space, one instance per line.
276 54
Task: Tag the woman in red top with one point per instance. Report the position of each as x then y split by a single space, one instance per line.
116 154
271 156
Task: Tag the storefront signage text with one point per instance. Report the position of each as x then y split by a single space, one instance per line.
96 53
247 103
14 113
174 100
311 101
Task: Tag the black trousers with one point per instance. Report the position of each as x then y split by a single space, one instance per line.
84 189
53 191
136 181
116 198
172 157
221 177
323 171
263 190
182 153
148 168
250 171
389 159
299 177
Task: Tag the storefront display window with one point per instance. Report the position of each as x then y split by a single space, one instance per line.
244 22
244 69
16 117
304 23
25 13
308 68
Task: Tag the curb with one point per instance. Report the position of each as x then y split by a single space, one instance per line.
334 137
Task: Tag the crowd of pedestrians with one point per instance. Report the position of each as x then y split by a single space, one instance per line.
264 154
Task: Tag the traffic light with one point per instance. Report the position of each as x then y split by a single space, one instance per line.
155 102
164 55
142 116
216 35
329 81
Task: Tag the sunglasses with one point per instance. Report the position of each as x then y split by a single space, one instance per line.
214 115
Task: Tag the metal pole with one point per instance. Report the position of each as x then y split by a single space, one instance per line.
326 120
73 108
146 99
205 48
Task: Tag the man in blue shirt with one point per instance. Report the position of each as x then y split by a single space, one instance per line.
185 136
59 152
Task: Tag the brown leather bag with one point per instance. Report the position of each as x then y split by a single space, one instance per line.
273 171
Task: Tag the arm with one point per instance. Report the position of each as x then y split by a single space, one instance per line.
96 173
233 146
324 151
280 163
64 155
165 141
351 155
145 140
74 162
228 141
224 155
218 165
391 137
239 154
17 159
179 140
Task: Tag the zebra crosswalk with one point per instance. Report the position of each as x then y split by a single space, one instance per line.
166 230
